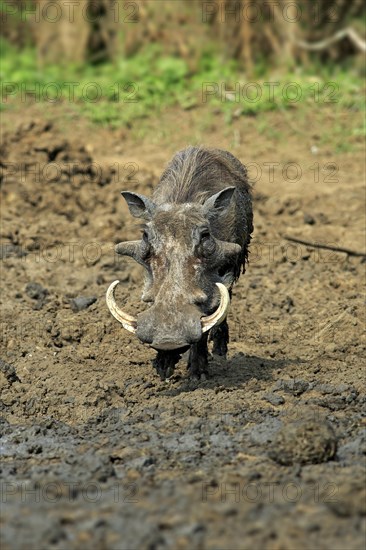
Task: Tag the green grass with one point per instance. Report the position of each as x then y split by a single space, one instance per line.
120 93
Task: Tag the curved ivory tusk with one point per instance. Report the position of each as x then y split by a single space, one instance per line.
219 315
128 322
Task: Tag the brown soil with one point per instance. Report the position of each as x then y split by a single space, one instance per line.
97 451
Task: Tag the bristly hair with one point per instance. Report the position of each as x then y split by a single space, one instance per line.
196 173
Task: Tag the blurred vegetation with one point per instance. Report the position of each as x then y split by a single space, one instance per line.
246 30
170 56
119 93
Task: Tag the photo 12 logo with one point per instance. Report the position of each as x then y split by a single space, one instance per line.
272 92
251 11
70 171
70 91
57 491
71 11
268 492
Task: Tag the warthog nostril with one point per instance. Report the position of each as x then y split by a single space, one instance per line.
145 340
145 330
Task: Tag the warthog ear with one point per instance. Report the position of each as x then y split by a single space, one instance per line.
219 202
140 206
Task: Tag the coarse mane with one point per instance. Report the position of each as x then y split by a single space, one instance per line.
196 173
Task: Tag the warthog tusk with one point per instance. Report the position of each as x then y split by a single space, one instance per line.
130 323
219 315
127 321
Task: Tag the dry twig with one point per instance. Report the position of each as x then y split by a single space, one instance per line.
326 246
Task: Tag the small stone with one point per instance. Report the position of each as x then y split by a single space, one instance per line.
274 399
9 372
309 219
82 302
36 291
295 386
331 348
100 279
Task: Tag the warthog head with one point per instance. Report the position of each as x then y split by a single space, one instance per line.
186 270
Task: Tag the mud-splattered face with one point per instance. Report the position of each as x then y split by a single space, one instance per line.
177 248
183 261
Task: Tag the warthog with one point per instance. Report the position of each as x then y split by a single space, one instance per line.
194 246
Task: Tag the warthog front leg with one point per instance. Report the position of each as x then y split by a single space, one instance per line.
165 362
220 337
198 359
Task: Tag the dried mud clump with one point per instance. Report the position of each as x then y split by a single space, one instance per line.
304 442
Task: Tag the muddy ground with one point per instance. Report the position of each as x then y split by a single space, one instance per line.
97 451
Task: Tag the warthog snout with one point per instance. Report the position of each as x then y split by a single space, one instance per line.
169 330
165 329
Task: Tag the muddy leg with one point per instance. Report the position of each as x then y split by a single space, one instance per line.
198 359
220 337
165 362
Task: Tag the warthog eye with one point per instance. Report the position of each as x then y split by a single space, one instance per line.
205 235
207 244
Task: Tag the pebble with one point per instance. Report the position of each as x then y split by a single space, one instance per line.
274 399
9 372
35 291
82 302
309 219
